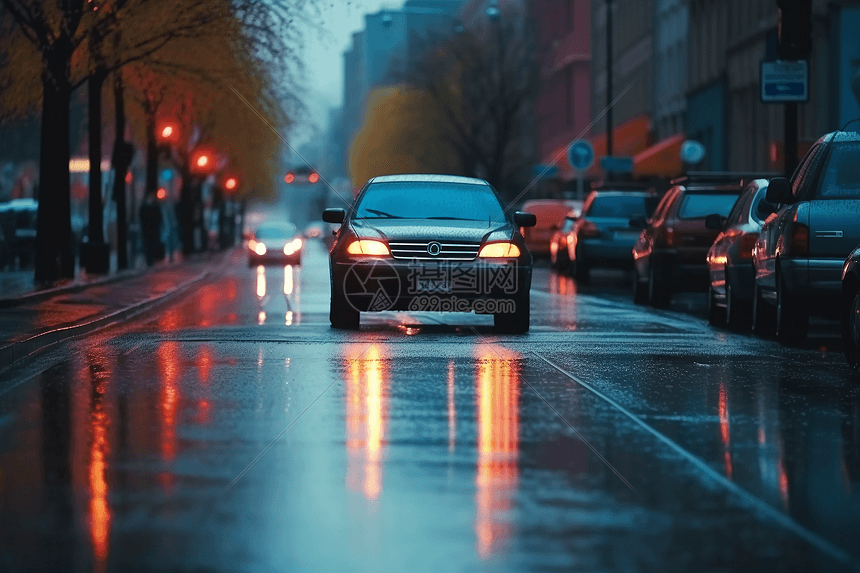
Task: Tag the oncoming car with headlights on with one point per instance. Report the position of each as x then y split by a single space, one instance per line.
279 243
430 243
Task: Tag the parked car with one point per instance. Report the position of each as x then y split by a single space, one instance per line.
801 249
550 214
850 310
275 243
558 257
669 254
430 243
603 235
732 275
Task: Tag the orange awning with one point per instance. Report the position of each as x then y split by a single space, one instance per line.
628 139
663 159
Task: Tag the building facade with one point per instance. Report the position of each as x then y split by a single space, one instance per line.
563 106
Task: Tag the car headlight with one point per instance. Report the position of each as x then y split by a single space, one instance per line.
259 248
293 246
499 251
368 247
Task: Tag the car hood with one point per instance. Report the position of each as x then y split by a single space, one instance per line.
432 230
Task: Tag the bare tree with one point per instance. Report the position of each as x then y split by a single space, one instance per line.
484 80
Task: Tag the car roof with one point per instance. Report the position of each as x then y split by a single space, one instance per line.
839 136
428 178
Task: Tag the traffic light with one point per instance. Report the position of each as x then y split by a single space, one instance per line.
794 30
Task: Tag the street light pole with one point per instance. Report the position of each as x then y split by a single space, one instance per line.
609 149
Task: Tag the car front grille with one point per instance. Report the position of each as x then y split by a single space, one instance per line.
450 250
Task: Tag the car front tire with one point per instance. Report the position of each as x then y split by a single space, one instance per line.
342 315
851 330
516 322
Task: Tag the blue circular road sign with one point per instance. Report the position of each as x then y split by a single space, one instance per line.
580 154
692 151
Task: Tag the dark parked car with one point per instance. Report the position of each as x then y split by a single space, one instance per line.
275 243
801 249
603 235
670 252
850 309
732 274
430 243
18 232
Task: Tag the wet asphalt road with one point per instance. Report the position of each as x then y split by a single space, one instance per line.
233 430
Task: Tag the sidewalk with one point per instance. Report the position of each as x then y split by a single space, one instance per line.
33 321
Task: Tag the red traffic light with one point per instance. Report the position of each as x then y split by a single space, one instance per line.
161 193
168 132
313 178
289 177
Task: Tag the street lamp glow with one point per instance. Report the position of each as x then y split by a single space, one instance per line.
167 132
230 184
203 161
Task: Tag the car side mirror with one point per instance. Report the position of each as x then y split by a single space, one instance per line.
638 222
334 215
779 191
523 219
715 222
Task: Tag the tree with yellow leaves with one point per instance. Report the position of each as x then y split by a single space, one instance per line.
403 132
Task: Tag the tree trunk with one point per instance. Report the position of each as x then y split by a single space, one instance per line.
151 149
120 168
55 257
96 206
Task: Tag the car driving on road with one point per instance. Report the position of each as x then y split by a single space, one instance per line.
275 243
430 243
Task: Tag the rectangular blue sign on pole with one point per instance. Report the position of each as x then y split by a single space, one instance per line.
617 164
783 82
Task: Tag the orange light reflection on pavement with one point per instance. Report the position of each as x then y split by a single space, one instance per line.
168 360
498 445
365 419
261 281
99 448
288 280
723 411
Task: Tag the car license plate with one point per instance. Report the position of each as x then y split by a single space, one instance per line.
433 286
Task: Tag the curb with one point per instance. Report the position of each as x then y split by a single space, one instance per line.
18 351
72 288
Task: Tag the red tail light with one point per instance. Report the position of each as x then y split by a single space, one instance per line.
670 237
589 230
747 244
799 239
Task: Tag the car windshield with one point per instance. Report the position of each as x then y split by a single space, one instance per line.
275 232
700 205
620 206
842 172
429 200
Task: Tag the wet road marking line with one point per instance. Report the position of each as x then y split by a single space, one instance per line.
758 504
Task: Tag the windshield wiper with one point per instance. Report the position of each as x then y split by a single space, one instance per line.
383 214
450 219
